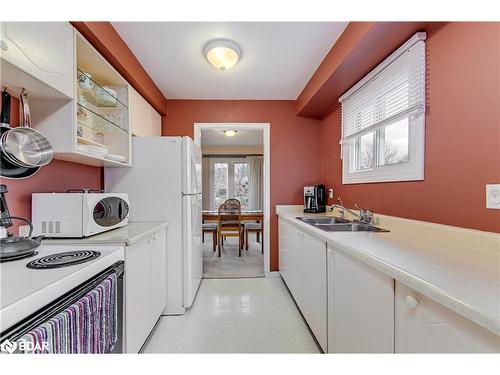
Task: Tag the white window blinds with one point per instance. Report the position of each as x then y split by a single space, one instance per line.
393 89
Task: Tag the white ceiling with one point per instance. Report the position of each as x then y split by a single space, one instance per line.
242 138
277 58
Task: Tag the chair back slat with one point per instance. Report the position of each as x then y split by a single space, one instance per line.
229 215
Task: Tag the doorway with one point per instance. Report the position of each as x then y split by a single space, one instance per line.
236 166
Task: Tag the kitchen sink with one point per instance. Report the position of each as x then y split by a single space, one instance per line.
322 220
349 227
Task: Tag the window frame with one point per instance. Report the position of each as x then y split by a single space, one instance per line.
412 170
230 161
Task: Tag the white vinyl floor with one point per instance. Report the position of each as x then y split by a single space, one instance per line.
255 315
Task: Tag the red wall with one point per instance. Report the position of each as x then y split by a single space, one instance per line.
295 144
462 145
58 176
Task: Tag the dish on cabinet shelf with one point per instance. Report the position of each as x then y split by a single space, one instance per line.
106 123
100 96
86 141
116 157
104 97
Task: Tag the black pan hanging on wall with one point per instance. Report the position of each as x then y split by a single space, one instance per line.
7 168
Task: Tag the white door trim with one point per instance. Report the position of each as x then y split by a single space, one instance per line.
265 128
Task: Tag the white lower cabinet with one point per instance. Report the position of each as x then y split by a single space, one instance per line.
360 307
354 308
145 288
314 296
158 274
425 326
303 268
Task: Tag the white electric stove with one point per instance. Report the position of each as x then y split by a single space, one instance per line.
30 283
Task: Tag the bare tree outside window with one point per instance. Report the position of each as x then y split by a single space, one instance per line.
392 146
241 183
220 183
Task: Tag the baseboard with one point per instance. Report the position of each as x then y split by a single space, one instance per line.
273 274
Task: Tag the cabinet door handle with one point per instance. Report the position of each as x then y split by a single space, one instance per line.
3 45
411 301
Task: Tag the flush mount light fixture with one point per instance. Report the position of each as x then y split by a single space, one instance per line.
222 53
230 133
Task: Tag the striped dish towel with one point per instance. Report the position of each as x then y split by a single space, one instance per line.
87 326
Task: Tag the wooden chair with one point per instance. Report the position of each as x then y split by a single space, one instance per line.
210 228
229 223
258 229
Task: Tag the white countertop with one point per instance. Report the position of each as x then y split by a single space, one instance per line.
459 273
127 235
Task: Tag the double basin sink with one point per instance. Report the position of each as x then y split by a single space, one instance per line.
336 224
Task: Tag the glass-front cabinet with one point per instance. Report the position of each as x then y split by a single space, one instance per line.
93 126
101 107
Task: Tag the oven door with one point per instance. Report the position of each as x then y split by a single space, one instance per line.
105 212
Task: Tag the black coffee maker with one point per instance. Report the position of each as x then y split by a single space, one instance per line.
314 199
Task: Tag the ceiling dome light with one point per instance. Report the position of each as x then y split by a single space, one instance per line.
230 133
222 53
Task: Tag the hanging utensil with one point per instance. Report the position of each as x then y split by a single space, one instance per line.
10 170
5 114
25 146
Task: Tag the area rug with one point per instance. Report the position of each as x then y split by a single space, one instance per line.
229 265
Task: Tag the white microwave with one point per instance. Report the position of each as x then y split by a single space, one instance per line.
77 215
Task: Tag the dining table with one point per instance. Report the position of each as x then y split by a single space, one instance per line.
246 215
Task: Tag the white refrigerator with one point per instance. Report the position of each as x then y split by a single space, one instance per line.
164 184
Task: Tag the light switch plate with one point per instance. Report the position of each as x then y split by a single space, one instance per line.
330 193
493 196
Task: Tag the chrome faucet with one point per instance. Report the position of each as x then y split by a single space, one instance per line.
365 216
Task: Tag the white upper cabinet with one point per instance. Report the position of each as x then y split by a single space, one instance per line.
144 119
44 50
360 307
154 122
425 326
139 114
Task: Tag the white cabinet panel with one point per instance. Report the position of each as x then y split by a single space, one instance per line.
154 122
144 120
137 295
139 114
289 248
425 326
303 268
145 288
158 273
314 284
44 50
360 307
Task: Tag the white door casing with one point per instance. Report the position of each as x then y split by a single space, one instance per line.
266 131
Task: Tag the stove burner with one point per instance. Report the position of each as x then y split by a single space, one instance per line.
12 258
68 258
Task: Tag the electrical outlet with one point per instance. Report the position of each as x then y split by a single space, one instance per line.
330 193
24 231
493 196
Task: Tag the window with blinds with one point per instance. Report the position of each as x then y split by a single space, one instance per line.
383 117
